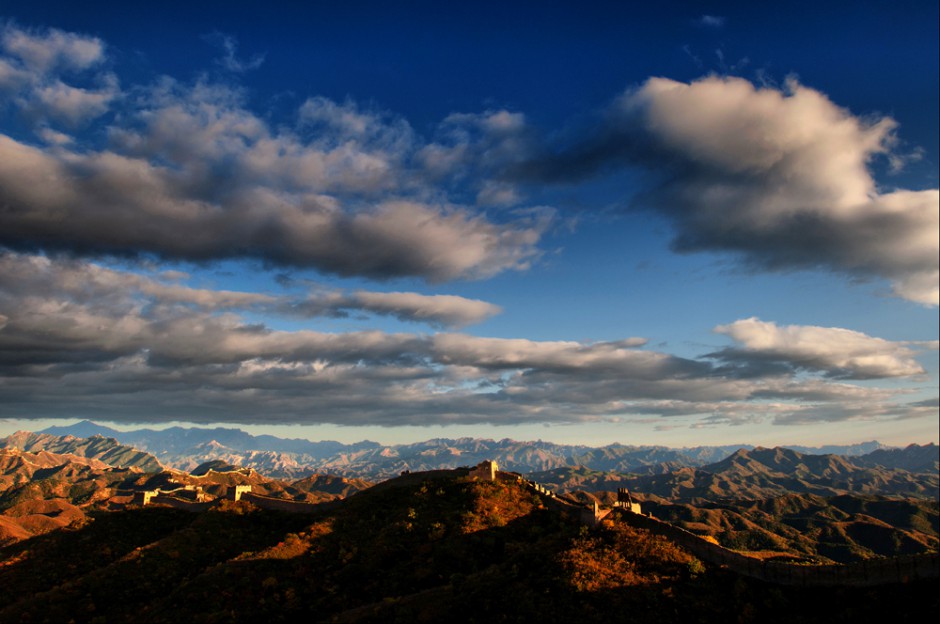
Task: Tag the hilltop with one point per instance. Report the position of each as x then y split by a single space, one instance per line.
424 547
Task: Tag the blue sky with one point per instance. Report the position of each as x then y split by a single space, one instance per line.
689 224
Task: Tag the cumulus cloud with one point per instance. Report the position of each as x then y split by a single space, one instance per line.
39 70
200 178
44 51
832 351
445 310
476 149
778 177
188 172
73 105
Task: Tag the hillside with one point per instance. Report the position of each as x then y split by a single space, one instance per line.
914 458
812 528
422 548
107 450
764 473
43 491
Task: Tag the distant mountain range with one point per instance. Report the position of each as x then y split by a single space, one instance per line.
186 448
764 473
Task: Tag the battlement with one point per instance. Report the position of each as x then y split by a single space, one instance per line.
235 492
625 501
144 497
486 471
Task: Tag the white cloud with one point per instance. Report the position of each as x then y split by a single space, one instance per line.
40 67
782 177
712 21
77 338
71 104
447 310
476 149
189 172
230 60
109 202
68 359
121 292
778 177
44 51
833 351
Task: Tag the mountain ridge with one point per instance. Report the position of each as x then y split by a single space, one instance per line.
185 448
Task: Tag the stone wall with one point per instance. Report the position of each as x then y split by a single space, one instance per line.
179 503
282 504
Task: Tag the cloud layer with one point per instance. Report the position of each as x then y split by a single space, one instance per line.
82 339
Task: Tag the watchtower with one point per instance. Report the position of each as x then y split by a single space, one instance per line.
625 501
486 470
143 497
235 492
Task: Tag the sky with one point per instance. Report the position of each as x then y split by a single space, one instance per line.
694 223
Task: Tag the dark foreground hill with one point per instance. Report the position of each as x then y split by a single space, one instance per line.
416 549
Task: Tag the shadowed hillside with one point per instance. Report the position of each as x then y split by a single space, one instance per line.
421 548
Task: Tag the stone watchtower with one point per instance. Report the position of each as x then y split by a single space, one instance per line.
486 471
143 497
235 492
625 501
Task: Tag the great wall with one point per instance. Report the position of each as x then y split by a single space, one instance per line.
867 573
